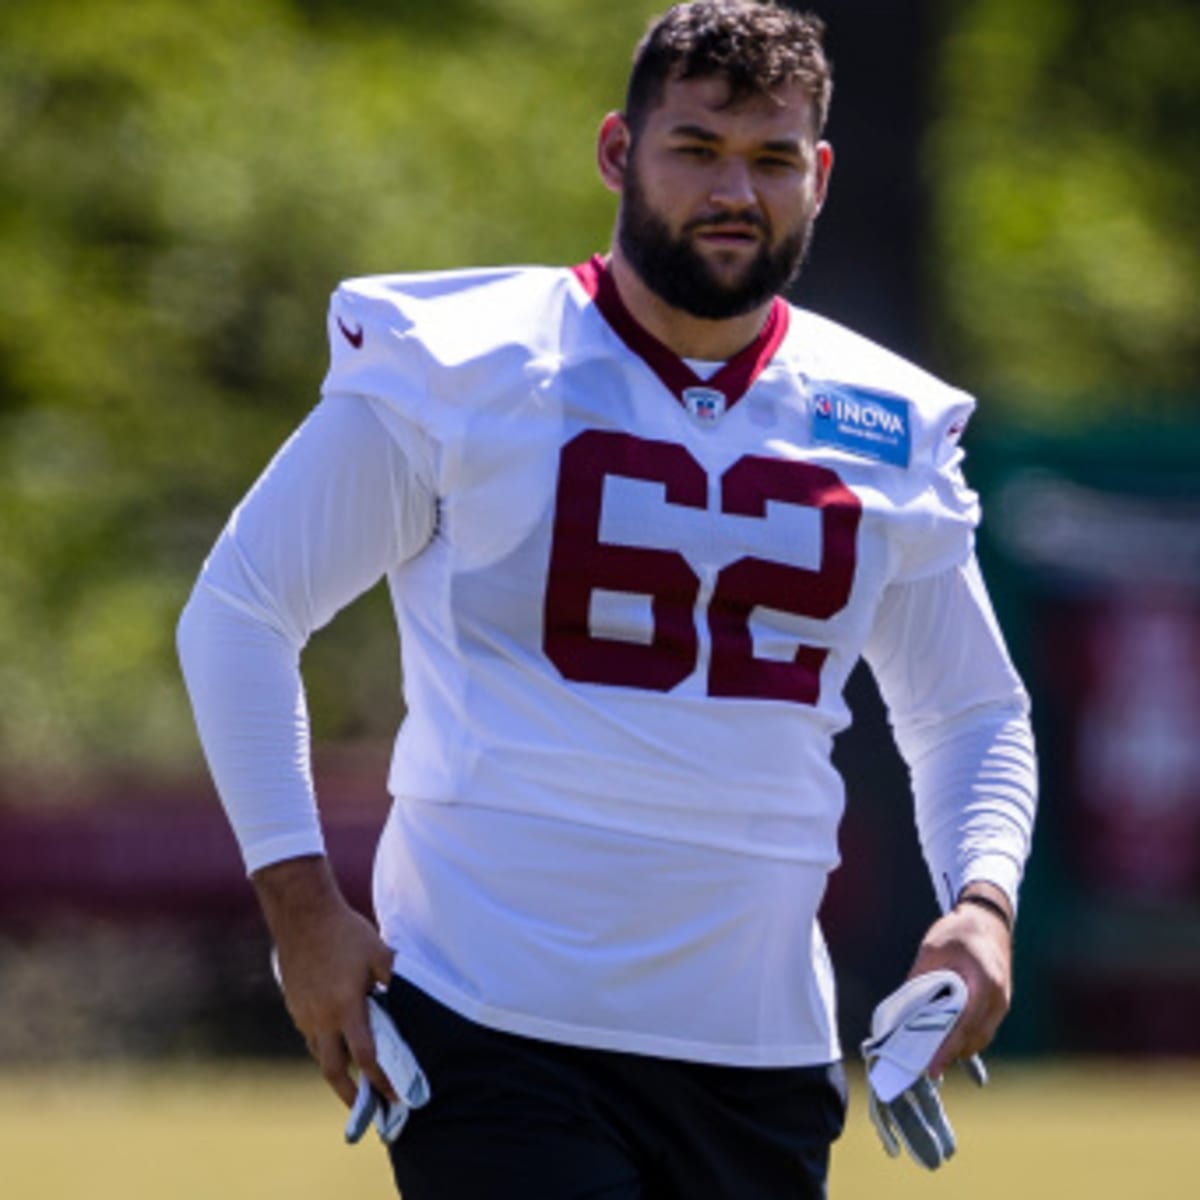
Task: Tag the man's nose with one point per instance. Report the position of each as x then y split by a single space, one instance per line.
733 186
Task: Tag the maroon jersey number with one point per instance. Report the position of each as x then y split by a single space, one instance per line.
580 564
744 585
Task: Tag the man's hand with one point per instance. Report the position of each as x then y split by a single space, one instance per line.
907 1028
975 943
329 958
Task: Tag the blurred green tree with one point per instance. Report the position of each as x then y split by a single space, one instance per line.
183 185
1063 161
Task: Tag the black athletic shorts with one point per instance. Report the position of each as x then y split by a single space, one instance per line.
515 1118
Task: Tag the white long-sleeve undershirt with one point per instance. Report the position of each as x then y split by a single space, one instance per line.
337 506
960 717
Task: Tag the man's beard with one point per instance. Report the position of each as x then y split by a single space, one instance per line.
673 269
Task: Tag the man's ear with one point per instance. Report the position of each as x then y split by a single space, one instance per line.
824 170
612 151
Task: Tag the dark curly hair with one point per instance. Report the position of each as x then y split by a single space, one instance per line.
757 45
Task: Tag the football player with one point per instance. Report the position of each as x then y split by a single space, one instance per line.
639 519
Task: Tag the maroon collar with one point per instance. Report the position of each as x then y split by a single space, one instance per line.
734 378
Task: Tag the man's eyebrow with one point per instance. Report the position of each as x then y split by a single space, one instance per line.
696 131
785 146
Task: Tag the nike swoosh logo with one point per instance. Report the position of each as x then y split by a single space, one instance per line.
353 336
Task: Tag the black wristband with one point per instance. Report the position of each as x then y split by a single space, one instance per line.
993 906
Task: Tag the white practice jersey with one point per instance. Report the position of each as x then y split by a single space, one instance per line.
628 600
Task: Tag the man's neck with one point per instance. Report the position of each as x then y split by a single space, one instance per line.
688 336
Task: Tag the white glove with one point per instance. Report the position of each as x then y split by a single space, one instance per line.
397 1061
906 1030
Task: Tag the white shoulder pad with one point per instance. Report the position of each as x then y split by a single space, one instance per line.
937 413
400 337
369 348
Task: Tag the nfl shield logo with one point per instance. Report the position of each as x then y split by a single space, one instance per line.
705 404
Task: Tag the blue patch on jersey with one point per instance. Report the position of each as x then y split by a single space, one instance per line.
860 421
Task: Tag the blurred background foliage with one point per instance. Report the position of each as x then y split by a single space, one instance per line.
184 183
1063 161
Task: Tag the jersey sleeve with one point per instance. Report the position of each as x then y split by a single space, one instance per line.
960 716
337 507
940 512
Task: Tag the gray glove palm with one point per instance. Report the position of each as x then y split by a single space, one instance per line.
906 1030
397 1062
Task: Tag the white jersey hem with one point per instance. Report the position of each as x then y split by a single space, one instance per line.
618 1040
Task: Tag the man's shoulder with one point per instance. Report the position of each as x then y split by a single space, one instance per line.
845 365
465 303
459 336
824 348
826 352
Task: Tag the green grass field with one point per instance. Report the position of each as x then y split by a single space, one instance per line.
1081 1133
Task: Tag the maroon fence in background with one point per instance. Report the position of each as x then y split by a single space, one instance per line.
133 853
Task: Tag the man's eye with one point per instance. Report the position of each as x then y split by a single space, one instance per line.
777 164
701 152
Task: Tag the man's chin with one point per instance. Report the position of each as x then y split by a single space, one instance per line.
736 294
726 290
717 304
728 286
